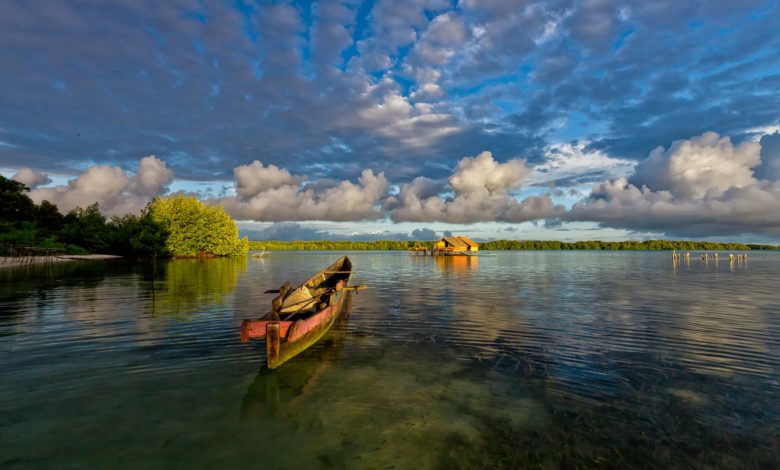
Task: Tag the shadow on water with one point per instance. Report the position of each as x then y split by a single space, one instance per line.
279 393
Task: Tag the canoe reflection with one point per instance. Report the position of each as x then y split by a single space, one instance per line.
456 264
280 392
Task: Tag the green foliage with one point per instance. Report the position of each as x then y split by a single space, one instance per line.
513 245
15 206
87 228
81 231
753 246
196 229
19 234
16 214
624 245
48 219
138 236
382 245
66 248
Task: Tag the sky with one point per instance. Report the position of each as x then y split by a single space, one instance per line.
404 119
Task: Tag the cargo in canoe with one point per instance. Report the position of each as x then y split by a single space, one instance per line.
300 316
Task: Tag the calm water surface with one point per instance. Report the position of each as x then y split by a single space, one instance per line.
524 359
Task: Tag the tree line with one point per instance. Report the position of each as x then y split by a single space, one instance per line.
650 245
183 226
496 245
382 245
172 226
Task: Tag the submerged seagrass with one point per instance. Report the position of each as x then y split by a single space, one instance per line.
587 359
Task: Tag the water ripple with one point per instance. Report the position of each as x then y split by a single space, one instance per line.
581 355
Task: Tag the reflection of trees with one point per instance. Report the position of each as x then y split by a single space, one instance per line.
190 284
37 280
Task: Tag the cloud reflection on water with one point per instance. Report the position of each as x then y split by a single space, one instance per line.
528 357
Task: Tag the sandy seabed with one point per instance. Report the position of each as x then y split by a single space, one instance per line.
13 261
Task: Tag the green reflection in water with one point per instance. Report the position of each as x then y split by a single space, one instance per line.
532 360
189 285
20 282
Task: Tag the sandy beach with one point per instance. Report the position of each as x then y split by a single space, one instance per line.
13 261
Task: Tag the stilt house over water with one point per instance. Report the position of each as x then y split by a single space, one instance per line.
458 245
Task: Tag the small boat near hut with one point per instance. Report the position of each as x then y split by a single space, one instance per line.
300 316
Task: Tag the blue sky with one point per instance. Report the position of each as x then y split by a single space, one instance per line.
499 119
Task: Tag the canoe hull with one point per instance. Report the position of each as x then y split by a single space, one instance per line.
305 333
286 339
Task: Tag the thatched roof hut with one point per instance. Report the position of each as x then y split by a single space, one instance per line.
457 244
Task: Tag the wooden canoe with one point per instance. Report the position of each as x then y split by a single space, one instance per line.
299 317
281 392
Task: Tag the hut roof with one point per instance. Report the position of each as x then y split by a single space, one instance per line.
468 241
455 241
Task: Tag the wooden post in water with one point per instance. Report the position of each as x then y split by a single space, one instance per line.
272 337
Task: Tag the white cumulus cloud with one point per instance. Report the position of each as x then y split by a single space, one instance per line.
256 178
152 177
116 192
481 190
30 178
268 193
701 186
705 166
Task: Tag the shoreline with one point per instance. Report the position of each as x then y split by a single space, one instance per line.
16 261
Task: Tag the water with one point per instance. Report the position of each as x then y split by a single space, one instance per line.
524 359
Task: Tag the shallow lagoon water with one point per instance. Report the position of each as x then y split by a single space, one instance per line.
524 359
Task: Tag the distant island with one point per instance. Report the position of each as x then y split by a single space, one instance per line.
496 245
